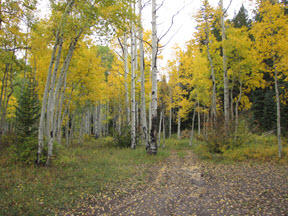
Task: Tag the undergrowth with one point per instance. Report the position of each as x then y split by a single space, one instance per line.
78 171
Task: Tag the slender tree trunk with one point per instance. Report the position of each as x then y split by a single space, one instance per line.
278 114
199 120
133 105
150 121
159 132
170 122
126 79
142 72
213 104
51 104
192 129
44 103
164 133
179 127
225 75
232 104
237 110
153 133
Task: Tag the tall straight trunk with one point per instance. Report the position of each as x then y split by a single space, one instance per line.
159 132
47 85
179 127
142 72
232 104
44 102
149 121
278 114
126 79
225 75
60 116
192 129
199 120
67 127
213 101
3 98
164 132
51 104
99 121
133 102
153 132
170 122
236 109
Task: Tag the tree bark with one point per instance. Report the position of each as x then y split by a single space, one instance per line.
153 132
159 132
192 129
133 105
278 114
170 122
164 133
236 110
44 102
199 120
207 32
142 72
225 75
126 79
179 127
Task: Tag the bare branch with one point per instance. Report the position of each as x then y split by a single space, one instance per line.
146 3
160 47
227 7
172 23
120 43
149 44
162 3
14 49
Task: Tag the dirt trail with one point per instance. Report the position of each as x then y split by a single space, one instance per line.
185 185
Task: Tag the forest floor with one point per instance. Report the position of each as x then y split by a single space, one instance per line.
186 185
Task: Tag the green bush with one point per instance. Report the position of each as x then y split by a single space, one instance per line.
122 139
26 150
219 141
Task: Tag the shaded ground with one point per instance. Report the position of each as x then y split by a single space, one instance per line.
184 185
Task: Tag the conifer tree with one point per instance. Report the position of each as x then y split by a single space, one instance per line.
27 111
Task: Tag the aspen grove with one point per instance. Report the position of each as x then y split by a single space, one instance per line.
93 72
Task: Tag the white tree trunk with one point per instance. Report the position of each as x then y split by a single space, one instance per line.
44 103
170 122
192 129
133 102
51 104
164 133
153 132
207 32
126 79
159 132
278 114
179 127
199 120
142 72
225 75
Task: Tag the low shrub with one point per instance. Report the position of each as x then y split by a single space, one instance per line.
25 150
122 139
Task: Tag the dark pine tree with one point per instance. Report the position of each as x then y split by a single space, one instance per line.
242 18
27 111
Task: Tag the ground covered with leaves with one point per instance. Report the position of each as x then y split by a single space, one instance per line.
99 179
185 185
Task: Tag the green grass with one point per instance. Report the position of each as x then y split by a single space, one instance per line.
257 148
90 169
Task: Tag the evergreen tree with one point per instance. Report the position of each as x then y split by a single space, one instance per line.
242 18
27 111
